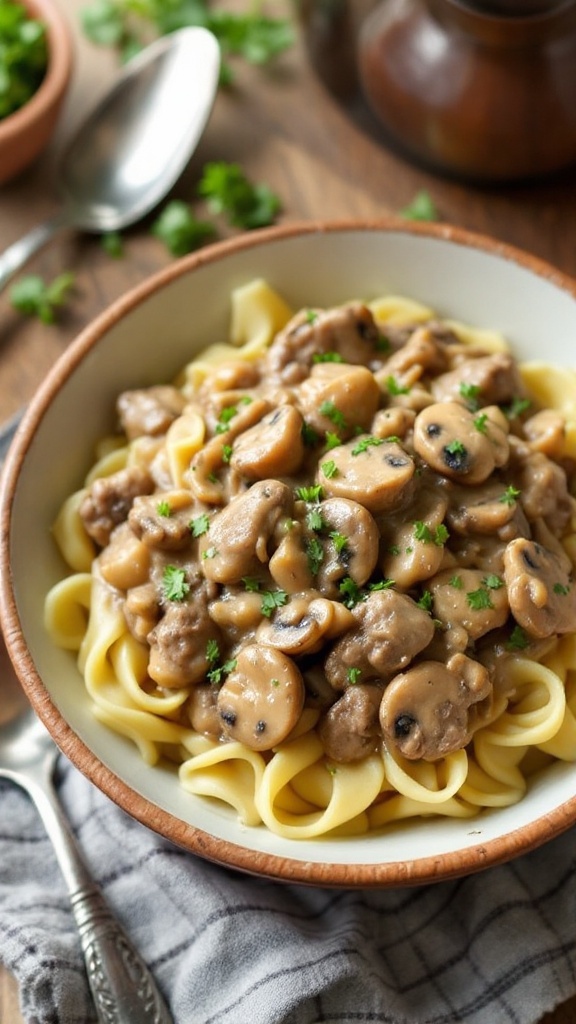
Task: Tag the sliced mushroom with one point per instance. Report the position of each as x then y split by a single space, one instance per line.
460 444
350 542
543 490
236 544
125 561
273 447
300 626
394 421
262 699
390 631
546 433
427 712
469 603
163 520
338 398
541 593
375 475
413 539
481 509
289 565
202 476
349 729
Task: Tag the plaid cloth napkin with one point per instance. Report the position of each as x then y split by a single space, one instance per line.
498 947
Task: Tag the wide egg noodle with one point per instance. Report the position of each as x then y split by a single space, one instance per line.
294 790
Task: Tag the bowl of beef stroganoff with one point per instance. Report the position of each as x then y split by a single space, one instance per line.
303 582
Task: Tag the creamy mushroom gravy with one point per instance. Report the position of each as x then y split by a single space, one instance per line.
356 534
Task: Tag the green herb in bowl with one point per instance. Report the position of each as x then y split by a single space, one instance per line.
23 56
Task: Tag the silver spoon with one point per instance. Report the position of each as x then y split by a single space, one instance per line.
135 144
123 989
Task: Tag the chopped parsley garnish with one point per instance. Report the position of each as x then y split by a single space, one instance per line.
479 599
331 440
426 601
315 520
394 549
339 540
310 436
332 412
381 585
517 640
423 533
251 584
351 592
470 392
311 316
330 469
312 493
224 418
492 581
353 675
271 600
327 357
314 554
365 443
456 582
199 525
174 583
226 453
455 448
559 588
509 496
210 552
481 423
216 672
163 509
394 388
517 407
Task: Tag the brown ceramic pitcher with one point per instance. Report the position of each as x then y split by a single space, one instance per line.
480 90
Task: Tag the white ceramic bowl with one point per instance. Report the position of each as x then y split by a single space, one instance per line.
146 337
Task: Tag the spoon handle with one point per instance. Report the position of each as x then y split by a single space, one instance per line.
123 988
17 255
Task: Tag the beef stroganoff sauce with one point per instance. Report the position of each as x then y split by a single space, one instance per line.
329 571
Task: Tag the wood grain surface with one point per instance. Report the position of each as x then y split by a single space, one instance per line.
321 153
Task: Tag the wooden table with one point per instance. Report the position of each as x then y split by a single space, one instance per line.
285 127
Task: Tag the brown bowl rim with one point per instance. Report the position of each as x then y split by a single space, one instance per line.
221 851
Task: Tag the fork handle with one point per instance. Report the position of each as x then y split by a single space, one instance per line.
16 256
123 988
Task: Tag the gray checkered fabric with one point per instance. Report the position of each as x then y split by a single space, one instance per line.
497 947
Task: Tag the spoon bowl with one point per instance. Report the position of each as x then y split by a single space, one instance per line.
132 148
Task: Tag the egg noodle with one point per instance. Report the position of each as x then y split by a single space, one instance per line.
295 789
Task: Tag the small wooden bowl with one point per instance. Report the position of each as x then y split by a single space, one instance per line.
25 133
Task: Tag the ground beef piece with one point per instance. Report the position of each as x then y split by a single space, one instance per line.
109 500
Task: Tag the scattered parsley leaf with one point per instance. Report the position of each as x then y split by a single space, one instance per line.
210 552
517 407
479 599
456 582
226 453
330 469
394 388
517 640
421 207
327 357
228 191
251 584
212 652
174 583
332 413
331 441
224 418
271 600
492 581
381 585
559 588
310 436
367 442
199 525
163 509
509 496
426 601
351 592
180 230
339 540
315 520
470 392
481 423
33 297
314 554
353 675
312 493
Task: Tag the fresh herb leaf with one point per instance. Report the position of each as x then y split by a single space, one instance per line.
517 407
314 555
421 207
456 582
517 640
315 520
200 525
351 592
339 540
23 56
310 436
479 599
481 423
163 509
470 392
33 297
226 453
224 418
331 441
327 357
394 388
330 469
560 588
313 493
228 191
426 601
509 496
174 583
251 584
365 443
492 581
381 585
353 675
332 413
180 230
271 600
